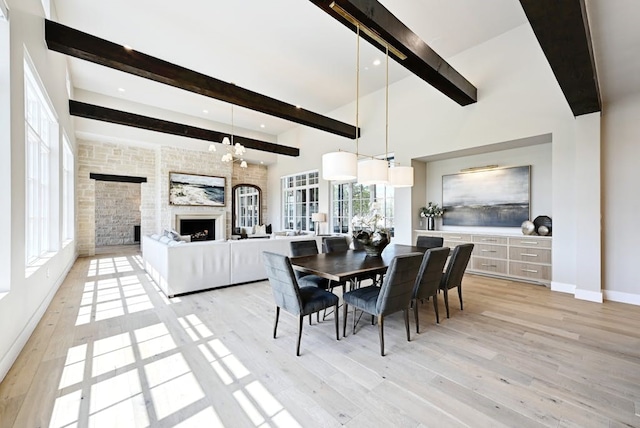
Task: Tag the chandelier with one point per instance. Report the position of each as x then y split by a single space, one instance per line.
234 152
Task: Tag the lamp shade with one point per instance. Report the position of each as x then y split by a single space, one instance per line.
339 166
373 171
320 217
401 176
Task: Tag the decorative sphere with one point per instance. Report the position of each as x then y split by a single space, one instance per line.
528 228
543 230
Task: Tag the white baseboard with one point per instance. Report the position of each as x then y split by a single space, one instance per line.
591 296
618 296
562 287
10 357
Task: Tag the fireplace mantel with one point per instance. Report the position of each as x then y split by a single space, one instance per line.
219 217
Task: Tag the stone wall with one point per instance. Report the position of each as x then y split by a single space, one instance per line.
117 212
116 159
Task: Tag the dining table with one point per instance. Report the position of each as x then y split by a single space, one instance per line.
347 265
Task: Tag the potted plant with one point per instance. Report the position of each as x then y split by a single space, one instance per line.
430 212
369 233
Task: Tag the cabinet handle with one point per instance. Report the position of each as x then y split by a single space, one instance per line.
488 251
489 240
530 270
528 255
488 265
529 242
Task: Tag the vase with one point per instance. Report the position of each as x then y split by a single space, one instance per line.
431 223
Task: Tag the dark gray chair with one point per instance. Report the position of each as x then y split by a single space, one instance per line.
452 277
428 280
335 244
308 247
293 299
429 242
394 295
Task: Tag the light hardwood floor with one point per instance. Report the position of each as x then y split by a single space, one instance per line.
113 351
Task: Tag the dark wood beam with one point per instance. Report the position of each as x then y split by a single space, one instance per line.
117 178
562 29
104 114
69 41
420 59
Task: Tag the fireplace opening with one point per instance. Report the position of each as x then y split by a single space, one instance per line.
199 229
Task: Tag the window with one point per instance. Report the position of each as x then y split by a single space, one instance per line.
351 199
41 134
68 184
300 199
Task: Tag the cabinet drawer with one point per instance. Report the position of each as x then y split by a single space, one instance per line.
489 265
457 237
491 251
530 270
534 255
485 239
533 242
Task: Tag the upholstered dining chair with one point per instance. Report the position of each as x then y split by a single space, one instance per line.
452 277
428 280
292 298
335 244
393 296
429 242
307 247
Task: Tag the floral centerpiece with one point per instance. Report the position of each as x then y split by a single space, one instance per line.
430 212
369 232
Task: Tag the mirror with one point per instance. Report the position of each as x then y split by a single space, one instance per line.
246 205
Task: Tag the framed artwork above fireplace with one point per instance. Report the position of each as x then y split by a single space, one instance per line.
196 190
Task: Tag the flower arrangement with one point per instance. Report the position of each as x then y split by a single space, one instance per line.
369 232
431 210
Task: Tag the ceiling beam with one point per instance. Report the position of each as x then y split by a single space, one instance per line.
69 41
104 114
381 27
562 29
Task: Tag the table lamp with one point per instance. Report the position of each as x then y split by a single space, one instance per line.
318 218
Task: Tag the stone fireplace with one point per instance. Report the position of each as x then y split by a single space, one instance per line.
196 225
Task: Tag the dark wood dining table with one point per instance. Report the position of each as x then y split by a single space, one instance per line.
345 266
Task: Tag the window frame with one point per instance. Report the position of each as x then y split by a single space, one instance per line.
68 191
300 199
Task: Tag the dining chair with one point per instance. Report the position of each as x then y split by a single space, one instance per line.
335 244
393 296
296 300
430 242
428 280
307 247
452 277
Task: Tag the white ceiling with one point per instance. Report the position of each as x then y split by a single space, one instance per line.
293 51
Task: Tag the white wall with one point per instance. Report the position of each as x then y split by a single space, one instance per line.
22 307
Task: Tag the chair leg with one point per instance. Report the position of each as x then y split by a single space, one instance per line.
275 327
460 295
354 320
310 315
344 319
381 333
406 323
415 314
446 300
435 308
335 311
318 316
300 322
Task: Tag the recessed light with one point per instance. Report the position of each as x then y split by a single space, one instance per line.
127 47
262 125
376 62
120 89
298 107
366 68
261 163
205 111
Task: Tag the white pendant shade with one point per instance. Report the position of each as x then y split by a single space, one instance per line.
339 166
373 171
401 176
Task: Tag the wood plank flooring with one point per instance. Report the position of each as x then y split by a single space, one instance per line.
113 351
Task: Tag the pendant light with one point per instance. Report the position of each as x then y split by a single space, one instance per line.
343 166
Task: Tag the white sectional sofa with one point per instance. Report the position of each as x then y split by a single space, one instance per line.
181 267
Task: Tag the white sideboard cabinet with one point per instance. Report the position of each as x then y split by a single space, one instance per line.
525 258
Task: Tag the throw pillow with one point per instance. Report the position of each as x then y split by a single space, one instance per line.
261 229
269 229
